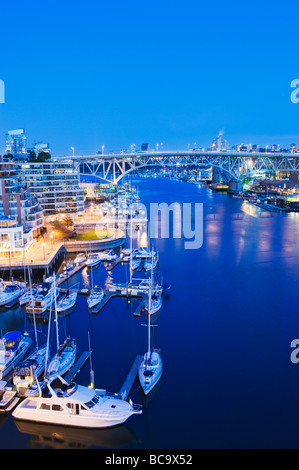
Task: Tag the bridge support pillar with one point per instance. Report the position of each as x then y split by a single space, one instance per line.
235 186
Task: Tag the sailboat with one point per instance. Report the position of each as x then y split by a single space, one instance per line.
66 302
96 294
156 303
66 352
150 369
26 372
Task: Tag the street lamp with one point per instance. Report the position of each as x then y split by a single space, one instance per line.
73 149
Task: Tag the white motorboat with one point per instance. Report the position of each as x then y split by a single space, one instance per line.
13 347
27 371
66 302
107 255
42 300
8 398
93 260
63 359
80 258
11 292
75 405
27 296
156 303
95 296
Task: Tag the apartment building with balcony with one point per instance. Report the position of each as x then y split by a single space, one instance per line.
55 184
21 216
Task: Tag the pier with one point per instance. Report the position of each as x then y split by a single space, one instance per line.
130 379
75 369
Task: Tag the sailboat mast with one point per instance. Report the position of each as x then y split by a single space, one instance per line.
149 311
33 311
55 306
131 247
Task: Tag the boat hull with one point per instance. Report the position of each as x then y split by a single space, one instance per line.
149 381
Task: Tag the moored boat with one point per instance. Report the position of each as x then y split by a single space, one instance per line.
27 371
13 347
8 398
63 359
11 292
80 258
107 255
42 300
66 302
75 405
95 296
93 260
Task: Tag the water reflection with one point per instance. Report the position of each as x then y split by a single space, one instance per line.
66 437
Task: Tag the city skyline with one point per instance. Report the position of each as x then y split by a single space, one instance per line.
119 75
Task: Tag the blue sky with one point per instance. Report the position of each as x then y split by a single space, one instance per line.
93 73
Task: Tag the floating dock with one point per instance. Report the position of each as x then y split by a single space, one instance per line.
77 366
128 383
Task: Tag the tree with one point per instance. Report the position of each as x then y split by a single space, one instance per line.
32 156
67 221
43 156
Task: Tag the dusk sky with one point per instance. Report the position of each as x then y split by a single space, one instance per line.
93 73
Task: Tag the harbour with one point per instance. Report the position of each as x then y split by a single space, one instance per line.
118 330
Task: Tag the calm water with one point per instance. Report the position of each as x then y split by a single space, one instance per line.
225 330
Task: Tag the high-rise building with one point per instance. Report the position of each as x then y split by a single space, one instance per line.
55 184
16 142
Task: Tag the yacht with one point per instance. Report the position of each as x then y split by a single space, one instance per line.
27 371
80 258
93 260
11 292
107 255
27 296
8 398
71 404
42 300
95 296
13 347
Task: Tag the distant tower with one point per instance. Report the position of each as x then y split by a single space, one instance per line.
16 142
220 144
145 147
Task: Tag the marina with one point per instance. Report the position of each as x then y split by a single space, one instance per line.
119 322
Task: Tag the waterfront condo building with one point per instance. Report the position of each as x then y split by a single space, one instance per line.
55 183
21 216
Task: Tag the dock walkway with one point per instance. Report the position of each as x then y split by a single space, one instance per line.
128 383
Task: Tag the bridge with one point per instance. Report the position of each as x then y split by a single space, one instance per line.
233 166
